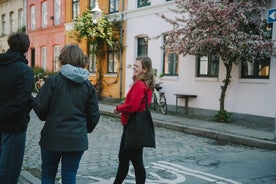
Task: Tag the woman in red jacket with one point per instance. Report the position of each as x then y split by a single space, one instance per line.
135 101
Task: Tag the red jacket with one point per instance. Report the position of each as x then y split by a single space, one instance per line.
135 101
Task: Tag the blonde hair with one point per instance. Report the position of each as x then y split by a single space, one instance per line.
73 55
147 77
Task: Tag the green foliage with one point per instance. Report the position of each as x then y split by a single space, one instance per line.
106 32
223 116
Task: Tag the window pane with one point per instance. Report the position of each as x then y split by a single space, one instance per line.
57 12
113 6
20 19
203 65
258 69
142 3
92 59
142 46
56 61
76 8
44 14
214 64
33 23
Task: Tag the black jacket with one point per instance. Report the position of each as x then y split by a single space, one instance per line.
16 84
70 110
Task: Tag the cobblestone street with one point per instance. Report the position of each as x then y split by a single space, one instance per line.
178 158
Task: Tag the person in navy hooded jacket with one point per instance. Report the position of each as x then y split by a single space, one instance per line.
16 84
68 104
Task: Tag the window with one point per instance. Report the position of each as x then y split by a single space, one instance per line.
92 4
260 67
92 59
170 62
113 60
113 6
44 58
20 19
76 9
57 13
142 48
12 28
142 3
33 23
3 24
44 14
257 69
56 54
207 66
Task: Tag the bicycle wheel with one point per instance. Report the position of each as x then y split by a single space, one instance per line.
163 103
155 104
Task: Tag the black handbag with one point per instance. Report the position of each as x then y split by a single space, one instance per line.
140 130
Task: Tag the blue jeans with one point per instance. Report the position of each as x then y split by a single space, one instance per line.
11 156
69 166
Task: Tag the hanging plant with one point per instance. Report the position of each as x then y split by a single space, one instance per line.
102 34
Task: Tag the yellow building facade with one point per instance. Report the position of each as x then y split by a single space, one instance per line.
113 67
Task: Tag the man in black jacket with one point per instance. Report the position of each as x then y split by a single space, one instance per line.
16 83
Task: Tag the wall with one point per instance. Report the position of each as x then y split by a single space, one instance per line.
244 96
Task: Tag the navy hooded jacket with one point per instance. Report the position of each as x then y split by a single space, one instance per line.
16 84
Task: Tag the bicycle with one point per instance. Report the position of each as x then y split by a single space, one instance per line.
40 80
159 99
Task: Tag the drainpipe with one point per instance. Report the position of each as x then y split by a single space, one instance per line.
121 41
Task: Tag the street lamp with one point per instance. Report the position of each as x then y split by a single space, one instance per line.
96 13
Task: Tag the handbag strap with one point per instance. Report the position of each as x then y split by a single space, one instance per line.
146 94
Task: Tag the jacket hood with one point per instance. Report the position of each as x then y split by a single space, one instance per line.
12 56
73 73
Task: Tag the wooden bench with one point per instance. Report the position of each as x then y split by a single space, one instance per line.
186 97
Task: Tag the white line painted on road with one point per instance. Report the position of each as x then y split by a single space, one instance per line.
200 173
176 172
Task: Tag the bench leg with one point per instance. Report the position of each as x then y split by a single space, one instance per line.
176 105
186 105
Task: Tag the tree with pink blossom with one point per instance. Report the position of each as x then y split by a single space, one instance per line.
232 29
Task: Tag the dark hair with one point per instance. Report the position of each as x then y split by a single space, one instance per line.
19 42
147 77
73 55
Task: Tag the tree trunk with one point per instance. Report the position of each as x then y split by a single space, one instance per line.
226 82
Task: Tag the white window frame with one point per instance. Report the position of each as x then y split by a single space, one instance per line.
44 58
57 12
44 14
33 17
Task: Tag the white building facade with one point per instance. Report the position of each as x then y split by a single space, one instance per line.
253 98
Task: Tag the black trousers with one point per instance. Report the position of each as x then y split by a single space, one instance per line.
136 158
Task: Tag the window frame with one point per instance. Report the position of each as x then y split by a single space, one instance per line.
113 6
255 66
209 66
172 71
3 24
92 64
113 61
44 58
33 17
12 21
142 46
75 9
44 14
142 3
57 12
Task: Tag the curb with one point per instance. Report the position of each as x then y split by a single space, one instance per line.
211 134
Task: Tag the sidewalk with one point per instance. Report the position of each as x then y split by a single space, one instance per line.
223 132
